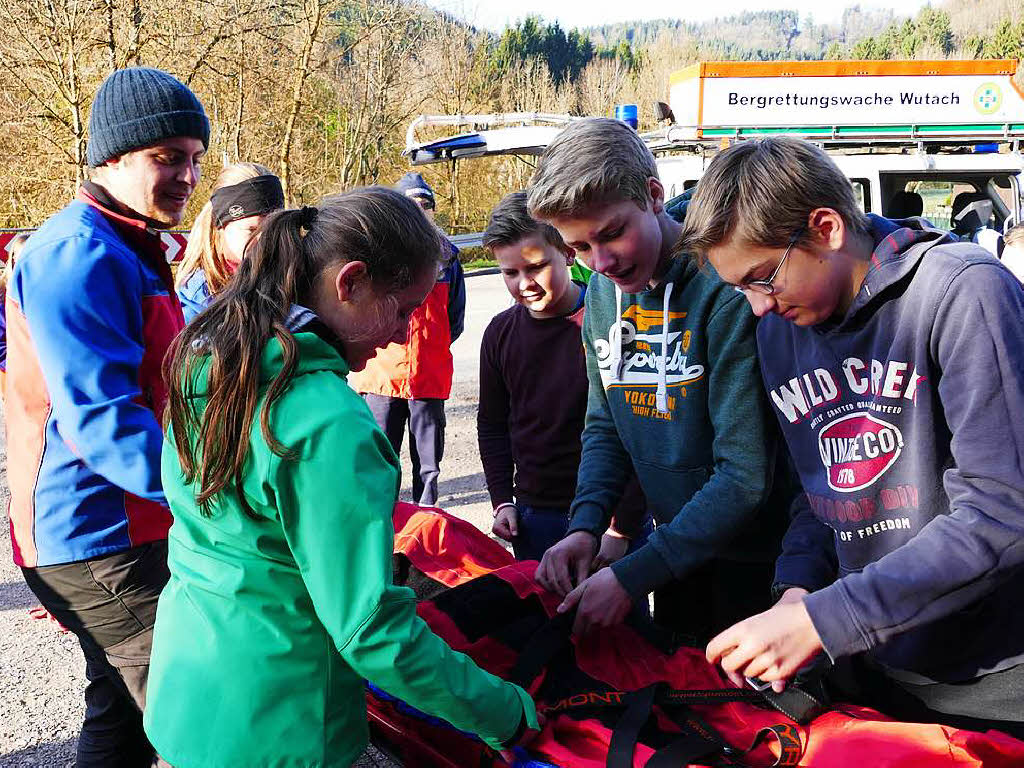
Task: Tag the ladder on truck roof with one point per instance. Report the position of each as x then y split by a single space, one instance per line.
923 105
521 137
509 133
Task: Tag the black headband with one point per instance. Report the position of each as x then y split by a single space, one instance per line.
251 197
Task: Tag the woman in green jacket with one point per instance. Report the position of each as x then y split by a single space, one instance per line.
280 601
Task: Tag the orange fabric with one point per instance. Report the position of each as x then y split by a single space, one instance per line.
423 366
453 551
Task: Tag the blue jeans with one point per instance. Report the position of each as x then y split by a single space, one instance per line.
426 421
540 528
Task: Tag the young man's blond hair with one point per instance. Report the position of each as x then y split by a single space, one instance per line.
593 161
760 192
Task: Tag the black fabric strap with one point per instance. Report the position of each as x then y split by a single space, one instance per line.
710 696
791 747
795 703
690 747
546 642
627 730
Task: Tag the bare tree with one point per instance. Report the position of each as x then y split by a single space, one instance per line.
46 58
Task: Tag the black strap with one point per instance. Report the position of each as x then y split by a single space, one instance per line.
710 696
795 703
689 748
545 643
791 746
627 730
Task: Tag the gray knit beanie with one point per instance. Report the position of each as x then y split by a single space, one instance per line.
140 106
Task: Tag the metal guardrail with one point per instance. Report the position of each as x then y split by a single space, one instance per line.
470 240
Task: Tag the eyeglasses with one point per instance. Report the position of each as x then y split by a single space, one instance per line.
425 204
767 287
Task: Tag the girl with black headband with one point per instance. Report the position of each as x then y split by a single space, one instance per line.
243 195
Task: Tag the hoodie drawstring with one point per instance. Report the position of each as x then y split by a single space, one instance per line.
616 340
661 396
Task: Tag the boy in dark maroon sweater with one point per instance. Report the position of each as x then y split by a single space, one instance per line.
533 391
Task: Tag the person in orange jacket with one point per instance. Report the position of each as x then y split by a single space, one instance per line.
407 384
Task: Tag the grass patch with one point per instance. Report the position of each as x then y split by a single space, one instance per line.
476 258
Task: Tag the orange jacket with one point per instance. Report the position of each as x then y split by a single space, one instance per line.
423 366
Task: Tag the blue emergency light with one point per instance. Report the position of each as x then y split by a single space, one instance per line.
628 114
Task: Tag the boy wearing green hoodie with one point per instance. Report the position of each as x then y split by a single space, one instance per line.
674 386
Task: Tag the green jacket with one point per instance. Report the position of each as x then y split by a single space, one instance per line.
268 626
675 387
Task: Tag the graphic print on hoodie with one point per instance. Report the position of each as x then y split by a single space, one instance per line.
674 386
903 419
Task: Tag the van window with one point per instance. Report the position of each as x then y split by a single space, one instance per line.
938 191
938 199
862 191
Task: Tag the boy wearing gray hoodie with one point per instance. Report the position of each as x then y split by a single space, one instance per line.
893 356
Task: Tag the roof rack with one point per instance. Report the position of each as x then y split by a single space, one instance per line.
489 134
848 136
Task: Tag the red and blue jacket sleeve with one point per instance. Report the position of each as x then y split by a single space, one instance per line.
456 295
82 301
3 333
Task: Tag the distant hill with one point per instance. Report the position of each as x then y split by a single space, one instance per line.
955 28
749 35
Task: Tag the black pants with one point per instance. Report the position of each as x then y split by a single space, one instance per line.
712 598
994 701
426 423
109 603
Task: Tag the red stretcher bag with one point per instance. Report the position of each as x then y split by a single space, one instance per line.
622 698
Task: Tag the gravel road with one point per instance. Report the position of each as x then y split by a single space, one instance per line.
42 672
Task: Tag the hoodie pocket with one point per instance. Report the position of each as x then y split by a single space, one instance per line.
667 488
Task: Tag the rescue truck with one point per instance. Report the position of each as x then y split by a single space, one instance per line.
938 134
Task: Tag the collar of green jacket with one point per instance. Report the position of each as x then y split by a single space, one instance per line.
314 353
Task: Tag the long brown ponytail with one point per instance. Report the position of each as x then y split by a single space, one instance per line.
375 225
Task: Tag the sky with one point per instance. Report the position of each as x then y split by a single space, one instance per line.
496 14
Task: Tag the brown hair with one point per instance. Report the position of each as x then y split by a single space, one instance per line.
761 193
377 226
204 250
593 161
510 222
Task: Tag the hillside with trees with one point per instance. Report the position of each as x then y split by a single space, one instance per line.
323 90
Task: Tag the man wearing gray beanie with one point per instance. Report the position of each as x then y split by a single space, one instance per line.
91 313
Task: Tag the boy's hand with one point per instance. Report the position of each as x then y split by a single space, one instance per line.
771 646
567 562
613 548
600 602
506 522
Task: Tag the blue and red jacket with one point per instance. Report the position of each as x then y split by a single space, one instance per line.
91 311
423 366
